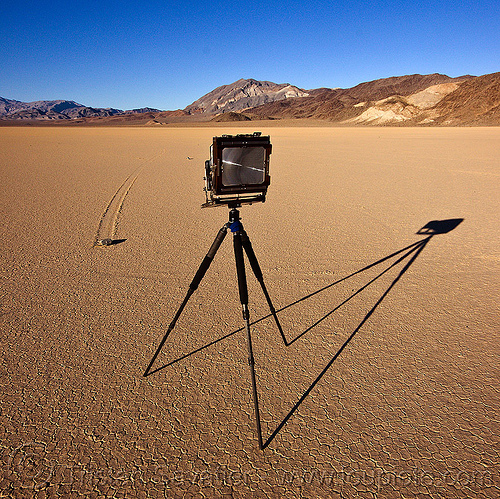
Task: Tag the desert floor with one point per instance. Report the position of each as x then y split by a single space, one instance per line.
394 391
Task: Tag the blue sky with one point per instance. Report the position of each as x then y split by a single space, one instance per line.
166 54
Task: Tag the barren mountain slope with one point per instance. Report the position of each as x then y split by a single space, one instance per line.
399 85
475 102
397 109
433 99
50 110
340 104
243 94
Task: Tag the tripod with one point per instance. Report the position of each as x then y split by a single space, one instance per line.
241 242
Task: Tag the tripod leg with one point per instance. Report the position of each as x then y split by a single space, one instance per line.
243 290
205 264
247 245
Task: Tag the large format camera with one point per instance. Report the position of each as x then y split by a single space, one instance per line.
237 173
238 169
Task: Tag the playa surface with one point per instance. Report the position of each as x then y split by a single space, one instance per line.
393 392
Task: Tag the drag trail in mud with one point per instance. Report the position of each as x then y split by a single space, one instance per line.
107 226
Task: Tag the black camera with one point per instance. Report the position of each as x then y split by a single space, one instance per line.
238 169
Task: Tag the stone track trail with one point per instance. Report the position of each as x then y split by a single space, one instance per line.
106 231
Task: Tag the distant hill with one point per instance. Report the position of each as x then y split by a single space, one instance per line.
427 100
397 85
50 110
474 102
231 116
142 110
57 110
415 100
466 101
347 105
243 94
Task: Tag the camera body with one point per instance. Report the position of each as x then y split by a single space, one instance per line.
238 169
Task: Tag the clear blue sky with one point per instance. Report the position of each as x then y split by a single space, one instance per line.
166 54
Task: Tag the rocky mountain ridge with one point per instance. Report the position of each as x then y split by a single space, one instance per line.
243 94
57 110
377 102
414 100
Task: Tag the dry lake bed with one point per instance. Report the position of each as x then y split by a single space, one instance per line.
388 385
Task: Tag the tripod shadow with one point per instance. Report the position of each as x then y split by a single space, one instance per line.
409 249
411 252
431 229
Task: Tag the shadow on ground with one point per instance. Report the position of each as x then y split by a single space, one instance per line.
409 255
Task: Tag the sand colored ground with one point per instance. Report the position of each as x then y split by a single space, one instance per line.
408 407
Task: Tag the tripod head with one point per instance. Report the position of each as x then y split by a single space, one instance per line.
234 224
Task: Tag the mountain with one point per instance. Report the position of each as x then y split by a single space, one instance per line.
474 102
410 100
397 85
243 94
56 110
465 101
344 105
231 116
142 110
137 118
